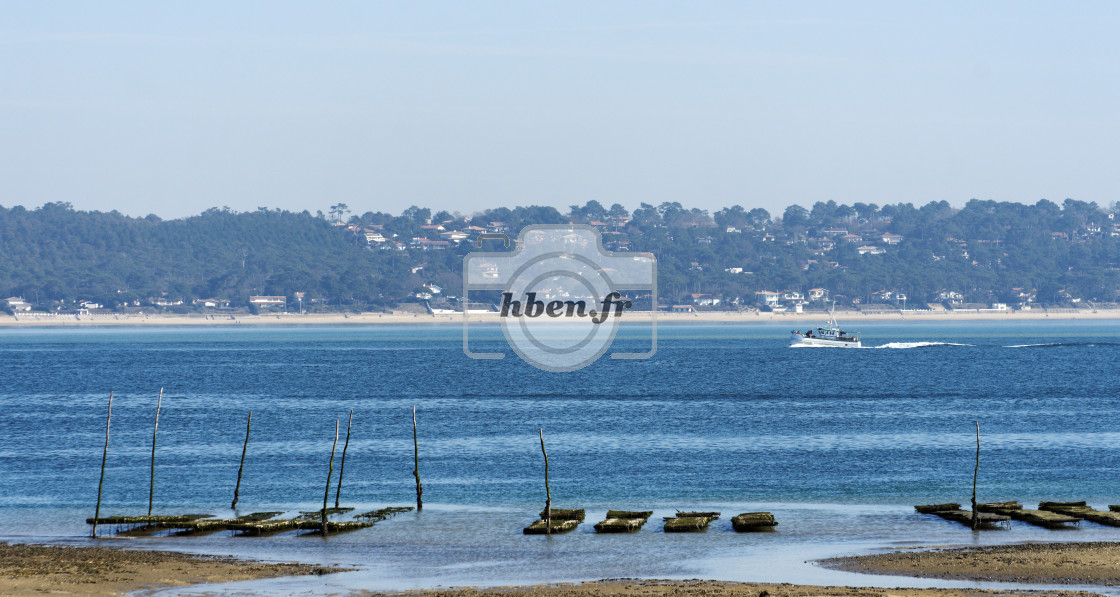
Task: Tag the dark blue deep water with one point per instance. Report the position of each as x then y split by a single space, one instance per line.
838 443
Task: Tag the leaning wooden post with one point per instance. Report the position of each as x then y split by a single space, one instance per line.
547 491
342 465
975 473
416 464
155 430
245 448
330 472
104 457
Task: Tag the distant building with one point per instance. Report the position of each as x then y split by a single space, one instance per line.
705 300
16 303
453 235
951 296
427 245
767 297
268 301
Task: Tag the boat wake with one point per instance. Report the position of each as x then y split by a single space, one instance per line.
897 345
918 344
1056 344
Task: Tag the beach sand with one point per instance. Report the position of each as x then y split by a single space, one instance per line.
40 569
1047 563
56 570
710 588
848 318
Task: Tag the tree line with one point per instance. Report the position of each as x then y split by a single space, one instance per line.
988 251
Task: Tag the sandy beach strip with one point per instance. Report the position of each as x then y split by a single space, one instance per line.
57 570
850 319
1045 563
711 588
61 570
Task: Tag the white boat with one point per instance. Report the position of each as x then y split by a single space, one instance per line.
831 335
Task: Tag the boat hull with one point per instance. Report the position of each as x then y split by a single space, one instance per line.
799 340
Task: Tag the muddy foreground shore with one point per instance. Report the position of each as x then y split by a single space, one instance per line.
57 570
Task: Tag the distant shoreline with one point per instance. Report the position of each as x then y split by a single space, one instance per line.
848 318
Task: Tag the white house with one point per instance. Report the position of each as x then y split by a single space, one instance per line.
268 301
954 297
16 303
705 300
768 297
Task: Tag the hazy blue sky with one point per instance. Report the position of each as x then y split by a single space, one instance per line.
171 108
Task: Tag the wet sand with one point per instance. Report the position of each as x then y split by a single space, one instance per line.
1045 563
42 569
709 588
56 570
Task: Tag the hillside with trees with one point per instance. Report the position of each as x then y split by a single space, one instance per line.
57 259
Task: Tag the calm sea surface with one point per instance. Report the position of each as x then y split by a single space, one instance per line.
838 444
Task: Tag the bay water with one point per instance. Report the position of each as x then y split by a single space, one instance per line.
838 444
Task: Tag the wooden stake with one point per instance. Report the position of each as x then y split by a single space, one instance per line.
104 457
547 491
155 430
245 448
330 472
975 473
416 464
342 465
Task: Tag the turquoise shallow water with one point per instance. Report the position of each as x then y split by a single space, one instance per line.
839 444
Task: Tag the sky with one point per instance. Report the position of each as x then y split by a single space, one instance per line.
175 107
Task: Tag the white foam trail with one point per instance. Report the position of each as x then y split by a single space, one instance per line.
888 345
918 344
1033 345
